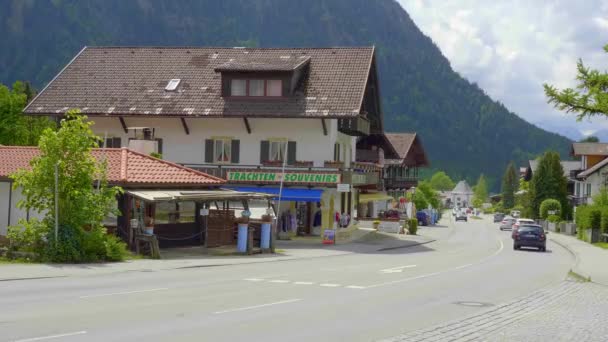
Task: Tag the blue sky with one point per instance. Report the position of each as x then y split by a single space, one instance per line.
511 47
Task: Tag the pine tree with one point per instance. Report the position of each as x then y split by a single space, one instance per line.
549 181
480 192
509 186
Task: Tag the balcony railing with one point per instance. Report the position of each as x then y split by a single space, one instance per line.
576 201
356 126
400 182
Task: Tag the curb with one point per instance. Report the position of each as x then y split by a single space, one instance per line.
577 259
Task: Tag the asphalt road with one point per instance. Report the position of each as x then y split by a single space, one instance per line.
355 297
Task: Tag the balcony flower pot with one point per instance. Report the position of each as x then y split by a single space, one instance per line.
334 164
300 163
274 163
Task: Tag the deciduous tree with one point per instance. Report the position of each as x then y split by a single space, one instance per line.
509 186
441 181
480 192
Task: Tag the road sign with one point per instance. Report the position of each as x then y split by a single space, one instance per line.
343 187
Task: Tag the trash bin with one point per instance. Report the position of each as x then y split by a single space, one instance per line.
241 245
265 236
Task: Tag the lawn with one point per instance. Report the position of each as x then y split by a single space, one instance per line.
603 245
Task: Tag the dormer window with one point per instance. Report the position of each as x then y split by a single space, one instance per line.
256 88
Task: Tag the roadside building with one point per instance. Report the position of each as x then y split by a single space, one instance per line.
589 175
401 174
241 114
462 195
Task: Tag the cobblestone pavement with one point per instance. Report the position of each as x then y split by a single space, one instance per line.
569 311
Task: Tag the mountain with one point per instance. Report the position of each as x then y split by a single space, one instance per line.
464 131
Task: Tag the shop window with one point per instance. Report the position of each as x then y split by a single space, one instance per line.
175 212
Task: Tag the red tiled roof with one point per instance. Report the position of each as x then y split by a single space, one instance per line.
125 167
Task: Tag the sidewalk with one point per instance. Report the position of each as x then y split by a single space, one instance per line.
297 249
591 261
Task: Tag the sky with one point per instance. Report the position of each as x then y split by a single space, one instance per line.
511 47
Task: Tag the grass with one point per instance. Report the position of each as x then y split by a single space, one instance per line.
578 277
603 245
4 260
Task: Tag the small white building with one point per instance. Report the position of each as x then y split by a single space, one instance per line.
462 195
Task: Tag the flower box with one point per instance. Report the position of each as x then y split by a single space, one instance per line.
272 163
334 164
301 163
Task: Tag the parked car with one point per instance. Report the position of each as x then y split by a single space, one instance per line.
507 223
498 217
462 216
530 235
519 222
423 219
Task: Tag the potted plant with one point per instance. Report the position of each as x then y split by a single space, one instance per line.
376 224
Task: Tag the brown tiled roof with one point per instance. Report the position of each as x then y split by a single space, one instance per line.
264 64
590 149
125 167
131 81
409 148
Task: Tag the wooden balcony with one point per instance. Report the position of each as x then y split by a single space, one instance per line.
357 126
400 182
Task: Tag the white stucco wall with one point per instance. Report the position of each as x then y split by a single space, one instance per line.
15 213
189 149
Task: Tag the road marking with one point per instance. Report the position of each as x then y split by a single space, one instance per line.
123 293
279 281
254 279
51 336
303 283
258 306
355 287
502 246
330 285
398 269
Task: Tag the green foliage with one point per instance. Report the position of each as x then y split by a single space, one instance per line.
549 182
80 204
588 99
441 182
15 128
480 192
413 226
417 98
554 218
424 196
509 186
604 222
67 248
601 198
28 236
549 205
499 207
116 249
595 218
156 155
590 139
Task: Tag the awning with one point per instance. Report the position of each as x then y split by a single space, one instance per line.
288 194
363 198
176 195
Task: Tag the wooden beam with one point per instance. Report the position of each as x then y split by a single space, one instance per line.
324 126
247 125
185 125
124 125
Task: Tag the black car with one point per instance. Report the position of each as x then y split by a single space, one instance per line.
498 217
530 236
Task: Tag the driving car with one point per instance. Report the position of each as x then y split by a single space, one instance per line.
507 223
530 235
423 219
461 216
498 217
519 222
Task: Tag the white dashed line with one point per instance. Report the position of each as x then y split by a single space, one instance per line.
330 285
122 293
355 287
257 306
254 279
51 336
303 283
279 281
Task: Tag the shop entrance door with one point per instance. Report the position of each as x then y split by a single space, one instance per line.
303 210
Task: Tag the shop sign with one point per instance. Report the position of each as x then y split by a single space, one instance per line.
343 187
329 237
289 177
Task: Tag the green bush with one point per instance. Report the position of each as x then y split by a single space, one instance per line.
595 218
604 221
115 248
93 245
68 248
413 226
28 236
554 218
549 205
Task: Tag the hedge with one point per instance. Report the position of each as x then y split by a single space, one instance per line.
549 205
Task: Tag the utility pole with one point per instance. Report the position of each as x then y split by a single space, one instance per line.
56 202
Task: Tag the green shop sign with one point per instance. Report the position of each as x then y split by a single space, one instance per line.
290 177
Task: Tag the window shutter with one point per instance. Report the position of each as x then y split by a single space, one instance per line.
264 151
208 151
337 152
235 150
159 145
291 152
225 86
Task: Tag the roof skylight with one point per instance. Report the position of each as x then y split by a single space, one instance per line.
172 85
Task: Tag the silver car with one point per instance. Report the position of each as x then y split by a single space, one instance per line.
507 223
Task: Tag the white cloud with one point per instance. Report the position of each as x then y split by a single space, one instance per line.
510 48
